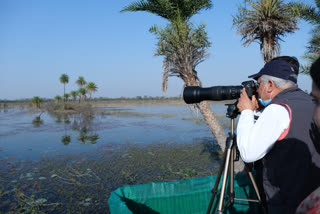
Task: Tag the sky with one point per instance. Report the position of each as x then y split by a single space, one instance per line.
41 40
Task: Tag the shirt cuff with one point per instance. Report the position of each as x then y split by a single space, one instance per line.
247 113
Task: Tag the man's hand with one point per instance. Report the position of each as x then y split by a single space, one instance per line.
244 101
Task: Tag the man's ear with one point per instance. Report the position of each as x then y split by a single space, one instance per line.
270 86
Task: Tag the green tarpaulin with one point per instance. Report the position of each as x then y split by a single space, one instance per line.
183 196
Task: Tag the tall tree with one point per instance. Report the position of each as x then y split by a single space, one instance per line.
82 92
64 79
66 97
58 98
311 15
265 22
183 47
81 82
36 101
74 95
91 87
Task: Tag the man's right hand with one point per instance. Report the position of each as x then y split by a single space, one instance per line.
244 101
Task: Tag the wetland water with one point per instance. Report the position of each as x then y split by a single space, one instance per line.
51 163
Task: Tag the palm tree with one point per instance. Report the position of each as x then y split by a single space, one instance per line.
64 78
312 15
81 82
58 98
82 92
91 87
66 97
74 95
36 101
265 22
183 47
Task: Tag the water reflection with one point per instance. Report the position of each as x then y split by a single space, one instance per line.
82 123
88 137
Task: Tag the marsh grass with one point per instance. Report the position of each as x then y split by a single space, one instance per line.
82 183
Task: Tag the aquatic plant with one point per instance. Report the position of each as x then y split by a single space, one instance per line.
37 121
66 139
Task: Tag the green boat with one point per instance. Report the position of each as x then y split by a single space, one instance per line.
182 196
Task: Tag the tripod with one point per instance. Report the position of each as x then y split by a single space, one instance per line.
227 165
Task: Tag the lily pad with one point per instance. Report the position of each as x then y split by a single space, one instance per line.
42 178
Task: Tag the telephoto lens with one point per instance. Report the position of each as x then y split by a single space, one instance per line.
196 94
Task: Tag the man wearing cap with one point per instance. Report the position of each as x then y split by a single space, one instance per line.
280 138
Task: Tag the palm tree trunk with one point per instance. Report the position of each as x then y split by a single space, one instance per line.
218 131
213 124
64 93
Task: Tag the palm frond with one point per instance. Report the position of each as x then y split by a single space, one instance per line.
264 22
172 10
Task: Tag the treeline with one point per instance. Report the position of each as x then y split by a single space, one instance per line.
28 100
138 98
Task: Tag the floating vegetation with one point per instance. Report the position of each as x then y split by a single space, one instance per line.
61 183
66 139
37 121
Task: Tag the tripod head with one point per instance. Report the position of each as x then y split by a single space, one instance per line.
232 110
232 113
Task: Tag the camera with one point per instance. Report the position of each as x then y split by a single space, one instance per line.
196 94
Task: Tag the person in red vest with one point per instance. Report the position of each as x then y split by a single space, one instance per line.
280 137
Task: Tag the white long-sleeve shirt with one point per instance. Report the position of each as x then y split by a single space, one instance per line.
255 140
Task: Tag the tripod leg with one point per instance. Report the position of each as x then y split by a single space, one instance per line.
224 181
256 190
215 188
232 174
254 185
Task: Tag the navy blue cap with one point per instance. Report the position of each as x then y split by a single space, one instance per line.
277 68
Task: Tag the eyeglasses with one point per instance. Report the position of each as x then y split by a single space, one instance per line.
258 84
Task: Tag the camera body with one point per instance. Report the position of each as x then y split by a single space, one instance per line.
251 88
196 94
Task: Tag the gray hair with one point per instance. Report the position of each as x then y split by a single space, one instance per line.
280 83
